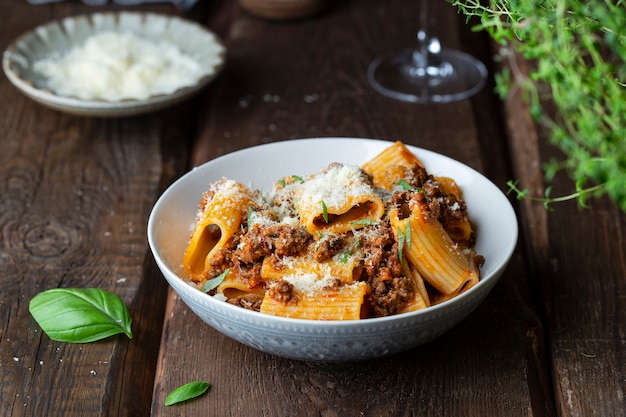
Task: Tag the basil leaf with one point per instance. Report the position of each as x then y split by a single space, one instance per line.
76 315
345 256
298 178
324 211
408 187
407 235
214 282
187 392
401 238
363 222
251 217
405 185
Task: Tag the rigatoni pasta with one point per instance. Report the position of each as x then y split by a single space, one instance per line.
344 243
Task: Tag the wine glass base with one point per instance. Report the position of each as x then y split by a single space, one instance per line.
456 76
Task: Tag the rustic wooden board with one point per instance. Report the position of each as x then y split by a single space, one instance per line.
76 194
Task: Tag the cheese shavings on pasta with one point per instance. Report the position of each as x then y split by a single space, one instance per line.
345 243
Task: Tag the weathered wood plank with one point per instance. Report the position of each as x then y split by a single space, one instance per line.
76 193
577 271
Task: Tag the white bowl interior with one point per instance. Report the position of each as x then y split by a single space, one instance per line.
172 218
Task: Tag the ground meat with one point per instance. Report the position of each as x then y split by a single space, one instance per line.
389 296
334 285
282 292
248 301
376 243
416 176
327 247
382 271
445 208
222 257
287 240
253 246
448 209
250 274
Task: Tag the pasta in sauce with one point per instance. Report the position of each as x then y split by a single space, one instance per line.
344 243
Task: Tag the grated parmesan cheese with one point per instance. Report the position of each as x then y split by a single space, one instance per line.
308 283
118 66
334 185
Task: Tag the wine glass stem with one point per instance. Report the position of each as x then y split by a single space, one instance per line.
425 59
420 58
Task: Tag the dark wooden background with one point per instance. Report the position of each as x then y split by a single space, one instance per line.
76 194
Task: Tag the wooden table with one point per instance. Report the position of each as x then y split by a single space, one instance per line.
550 340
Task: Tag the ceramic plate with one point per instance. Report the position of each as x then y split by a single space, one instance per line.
58 37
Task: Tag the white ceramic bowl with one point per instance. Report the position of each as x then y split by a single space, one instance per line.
172 218
58 37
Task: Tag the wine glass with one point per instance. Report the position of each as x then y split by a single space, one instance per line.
427 73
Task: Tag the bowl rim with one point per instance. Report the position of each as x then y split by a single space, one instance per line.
254 316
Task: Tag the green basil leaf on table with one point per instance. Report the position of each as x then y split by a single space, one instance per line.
77 315
187 392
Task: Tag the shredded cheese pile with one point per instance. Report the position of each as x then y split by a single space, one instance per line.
115 66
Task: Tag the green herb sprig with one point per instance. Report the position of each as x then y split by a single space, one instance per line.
579 53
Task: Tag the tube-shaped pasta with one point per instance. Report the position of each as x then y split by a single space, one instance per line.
439 260
343 303
422 299
346 270
389 166
233 286
338 200
223 210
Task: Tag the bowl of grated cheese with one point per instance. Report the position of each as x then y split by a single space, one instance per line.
171 225
114 64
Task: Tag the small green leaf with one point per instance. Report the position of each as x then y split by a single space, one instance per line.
364 222
282 182
214 282
325 211
298 178
407 235
76 315
345 256
405 185
187 392
401 239
250 217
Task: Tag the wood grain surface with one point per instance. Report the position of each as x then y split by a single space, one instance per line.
76 193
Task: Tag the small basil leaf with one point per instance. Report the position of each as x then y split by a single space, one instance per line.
187 392
363 222
407 235
78 315
324 211
405 185
401 238
214 282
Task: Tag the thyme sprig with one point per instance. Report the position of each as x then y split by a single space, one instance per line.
579 53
